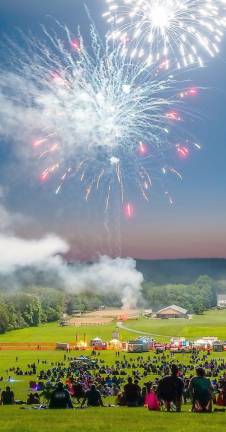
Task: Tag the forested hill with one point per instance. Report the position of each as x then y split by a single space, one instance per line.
181 271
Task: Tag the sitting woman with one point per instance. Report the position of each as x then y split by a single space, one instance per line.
151 399
201 392
120 399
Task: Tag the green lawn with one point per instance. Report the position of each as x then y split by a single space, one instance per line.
16 419
20 384
108 419
212 323
54 333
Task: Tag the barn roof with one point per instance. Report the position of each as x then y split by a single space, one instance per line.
174 307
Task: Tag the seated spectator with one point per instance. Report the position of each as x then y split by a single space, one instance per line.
78 391
93 397
7 397
115 390
132 393
33 399
60 398
223 389
219 400
170 390
151 399
201 392
120 399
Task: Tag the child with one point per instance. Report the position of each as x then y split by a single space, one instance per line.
151 400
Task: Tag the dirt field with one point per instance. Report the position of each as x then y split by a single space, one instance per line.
104 316
114 313
88 321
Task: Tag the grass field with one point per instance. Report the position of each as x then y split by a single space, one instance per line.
94 419
16 419
54 333
212 323
108 419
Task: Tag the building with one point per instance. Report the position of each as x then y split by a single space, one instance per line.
76 313
172 311
148 313
137 346
205 342
221 301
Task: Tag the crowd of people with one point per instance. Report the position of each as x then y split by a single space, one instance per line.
84 382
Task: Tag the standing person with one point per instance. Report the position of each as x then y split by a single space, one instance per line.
170 389
201 392
7 397
60 398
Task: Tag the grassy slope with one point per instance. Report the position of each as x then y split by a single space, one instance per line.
212 323
21 383
114 419
54 333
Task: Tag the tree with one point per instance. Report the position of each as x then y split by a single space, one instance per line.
4 318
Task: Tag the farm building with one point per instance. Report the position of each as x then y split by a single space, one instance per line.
172 311
221 301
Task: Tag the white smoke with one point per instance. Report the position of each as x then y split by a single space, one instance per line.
117 276
21 260
26 261
14 116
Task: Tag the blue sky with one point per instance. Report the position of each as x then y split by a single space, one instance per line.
195 226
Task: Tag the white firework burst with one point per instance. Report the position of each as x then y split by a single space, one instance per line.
90 114
181 31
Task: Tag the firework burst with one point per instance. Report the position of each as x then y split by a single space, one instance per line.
95 116
181 31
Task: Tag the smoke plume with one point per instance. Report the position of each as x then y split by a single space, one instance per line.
31 262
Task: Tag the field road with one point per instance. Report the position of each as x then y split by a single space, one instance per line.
123 327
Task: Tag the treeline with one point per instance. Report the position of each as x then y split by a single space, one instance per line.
196 297
31 307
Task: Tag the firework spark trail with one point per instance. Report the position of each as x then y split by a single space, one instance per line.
94 115
185 30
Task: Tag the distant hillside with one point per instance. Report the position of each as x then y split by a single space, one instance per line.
182 270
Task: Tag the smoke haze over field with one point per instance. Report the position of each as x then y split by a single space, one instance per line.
40 261
23 260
